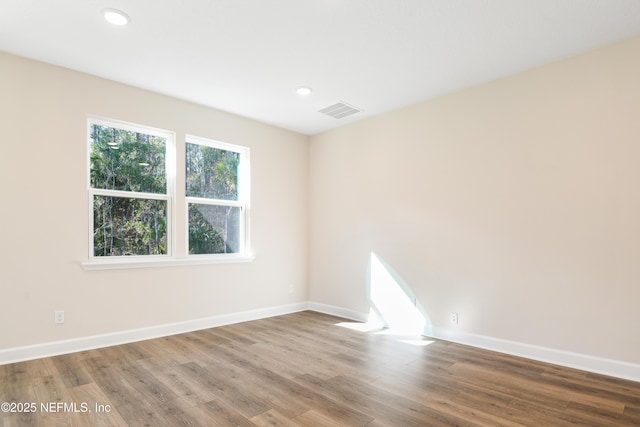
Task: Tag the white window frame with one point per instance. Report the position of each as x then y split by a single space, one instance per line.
242 202
175 256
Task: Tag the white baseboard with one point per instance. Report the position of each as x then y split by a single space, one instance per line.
614 368
21 354
585 362
610 367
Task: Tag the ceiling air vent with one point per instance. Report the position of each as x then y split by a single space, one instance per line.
339 110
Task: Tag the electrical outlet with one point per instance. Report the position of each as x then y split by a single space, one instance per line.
454 317
291 289
59 316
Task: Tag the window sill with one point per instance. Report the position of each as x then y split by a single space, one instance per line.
121 264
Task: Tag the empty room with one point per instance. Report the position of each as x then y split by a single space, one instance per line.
320 213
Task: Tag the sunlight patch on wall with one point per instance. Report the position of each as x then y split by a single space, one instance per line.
393 302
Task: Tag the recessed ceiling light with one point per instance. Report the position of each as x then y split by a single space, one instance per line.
115 17
304 91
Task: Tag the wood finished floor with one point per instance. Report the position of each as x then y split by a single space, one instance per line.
304 370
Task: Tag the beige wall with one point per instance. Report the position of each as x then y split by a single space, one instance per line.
44 218
515 203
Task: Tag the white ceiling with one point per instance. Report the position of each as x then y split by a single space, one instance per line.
248 56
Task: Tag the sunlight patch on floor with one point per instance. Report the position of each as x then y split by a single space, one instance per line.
374 326
418 343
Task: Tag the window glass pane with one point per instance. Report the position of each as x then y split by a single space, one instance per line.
127 161
127 226
214 229
212 172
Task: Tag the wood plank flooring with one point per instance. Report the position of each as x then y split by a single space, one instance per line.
304 369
